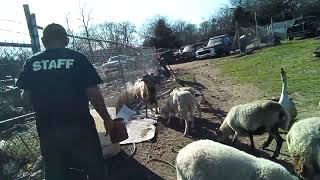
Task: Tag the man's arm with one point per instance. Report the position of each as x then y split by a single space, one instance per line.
26 97
97 101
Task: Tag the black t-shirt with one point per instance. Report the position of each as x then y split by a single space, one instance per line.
57 79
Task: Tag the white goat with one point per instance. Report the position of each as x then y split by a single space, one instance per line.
303 142
208 160
256 118
181 103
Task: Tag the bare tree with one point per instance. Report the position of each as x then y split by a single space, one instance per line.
108 31
85 19
126 31
70 32
179 27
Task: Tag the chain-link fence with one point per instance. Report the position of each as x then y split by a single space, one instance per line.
19 148
119 65
19 144
116 63
261 36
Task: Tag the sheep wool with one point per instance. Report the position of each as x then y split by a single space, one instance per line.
207 160
190 89
251 116
256 118
303 141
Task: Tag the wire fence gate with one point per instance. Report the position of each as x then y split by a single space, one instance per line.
116 63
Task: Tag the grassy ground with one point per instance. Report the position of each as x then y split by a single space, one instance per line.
262 70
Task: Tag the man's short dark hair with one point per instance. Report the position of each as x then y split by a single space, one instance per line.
54 32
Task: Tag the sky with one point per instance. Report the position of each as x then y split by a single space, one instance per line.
13 27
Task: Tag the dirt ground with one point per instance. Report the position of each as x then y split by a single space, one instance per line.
219 94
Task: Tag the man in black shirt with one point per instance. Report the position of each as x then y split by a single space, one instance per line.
59 83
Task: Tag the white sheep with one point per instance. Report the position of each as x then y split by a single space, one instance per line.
255 118
181 103
208 160
303 141
190 89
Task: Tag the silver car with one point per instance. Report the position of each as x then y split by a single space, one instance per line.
113 62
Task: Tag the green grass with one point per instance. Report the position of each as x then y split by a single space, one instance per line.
262 70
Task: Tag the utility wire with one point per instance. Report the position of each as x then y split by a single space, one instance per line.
17 32
13 21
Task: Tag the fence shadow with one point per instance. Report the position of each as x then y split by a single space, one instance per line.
195 85
220 114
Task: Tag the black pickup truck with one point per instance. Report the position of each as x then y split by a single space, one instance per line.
304 27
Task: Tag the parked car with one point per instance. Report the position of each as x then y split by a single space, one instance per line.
113 62
304 27
217 46
169 56
188 54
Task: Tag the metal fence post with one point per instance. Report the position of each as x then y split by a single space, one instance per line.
33 31
36 40
257 33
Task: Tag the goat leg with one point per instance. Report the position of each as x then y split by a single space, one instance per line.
279 141
267 143
186 128
146 109
235 136
157 111
169 120
199 110
253 148
193 125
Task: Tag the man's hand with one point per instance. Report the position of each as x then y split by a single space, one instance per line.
26 97
108 125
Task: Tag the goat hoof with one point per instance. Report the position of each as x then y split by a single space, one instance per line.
186 134
274 156
253 149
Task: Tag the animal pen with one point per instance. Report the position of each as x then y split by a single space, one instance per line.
117 64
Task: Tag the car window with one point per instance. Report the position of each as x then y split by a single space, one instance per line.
187 49
215 41
227 40
115 58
